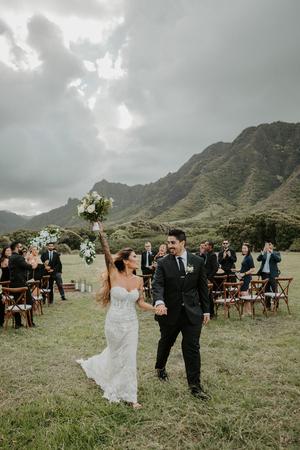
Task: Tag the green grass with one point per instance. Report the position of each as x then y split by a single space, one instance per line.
249 367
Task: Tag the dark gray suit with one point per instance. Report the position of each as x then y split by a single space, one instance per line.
186 297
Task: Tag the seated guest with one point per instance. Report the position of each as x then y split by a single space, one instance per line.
147 260
53 267
4 262
33 257
227 258
202 251
211 267
245 274
269 268
19 270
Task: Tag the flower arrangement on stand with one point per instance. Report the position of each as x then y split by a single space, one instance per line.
87 251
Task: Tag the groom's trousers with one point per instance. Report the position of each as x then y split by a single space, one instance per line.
190 346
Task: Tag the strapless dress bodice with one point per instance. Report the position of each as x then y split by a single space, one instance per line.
122 304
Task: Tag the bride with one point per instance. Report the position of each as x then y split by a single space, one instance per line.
114 370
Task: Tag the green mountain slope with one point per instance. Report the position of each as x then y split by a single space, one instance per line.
258 171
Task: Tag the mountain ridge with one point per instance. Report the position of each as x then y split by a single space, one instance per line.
259 170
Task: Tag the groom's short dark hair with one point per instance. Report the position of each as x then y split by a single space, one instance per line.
179 234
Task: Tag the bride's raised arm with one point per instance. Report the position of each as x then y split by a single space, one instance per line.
106 250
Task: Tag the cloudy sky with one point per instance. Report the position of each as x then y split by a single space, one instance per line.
128 90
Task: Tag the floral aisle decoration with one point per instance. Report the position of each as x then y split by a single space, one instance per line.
87 251
45 236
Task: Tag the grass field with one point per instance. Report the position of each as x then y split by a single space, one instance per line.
250 367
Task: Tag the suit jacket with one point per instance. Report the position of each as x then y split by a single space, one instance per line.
144 260
228 262
191 291
55 263
274 259
19 270
211 265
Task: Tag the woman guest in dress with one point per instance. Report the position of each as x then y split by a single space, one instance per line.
4 260
245 274
5 276
162 251
34 259
114 370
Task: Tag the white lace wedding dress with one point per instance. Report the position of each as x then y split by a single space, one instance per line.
114 370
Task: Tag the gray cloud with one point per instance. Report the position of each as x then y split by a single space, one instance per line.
196 72
86 8
48 138
201 71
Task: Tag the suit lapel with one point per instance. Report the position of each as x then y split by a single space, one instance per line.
188 262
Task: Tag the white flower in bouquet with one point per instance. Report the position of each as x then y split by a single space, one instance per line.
94 207
91 208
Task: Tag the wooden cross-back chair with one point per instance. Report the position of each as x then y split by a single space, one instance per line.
282 292
256 295
44 289
218 285
35 289
147 279
230 297
15 302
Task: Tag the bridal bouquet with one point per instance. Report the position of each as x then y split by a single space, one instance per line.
87 251
94 207
45 236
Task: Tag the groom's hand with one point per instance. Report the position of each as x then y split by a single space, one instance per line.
206 319
161 310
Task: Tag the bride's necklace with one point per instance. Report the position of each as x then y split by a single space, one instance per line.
128 277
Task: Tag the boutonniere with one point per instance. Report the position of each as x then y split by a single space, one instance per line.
189 269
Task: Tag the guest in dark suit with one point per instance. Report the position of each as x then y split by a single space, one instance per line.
19 270
180 295
53 266
227 258
147 260
211 267
269 268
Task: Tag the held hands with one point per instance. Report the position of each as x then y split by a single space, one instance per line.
161 310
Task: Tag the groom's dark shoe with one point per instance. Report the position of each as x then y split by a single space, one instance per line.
199 393
162 374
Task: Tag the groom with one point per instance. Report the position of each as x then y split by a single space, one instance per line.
180 296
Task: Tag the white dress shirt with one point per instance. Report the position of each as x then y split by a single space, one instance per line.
184 259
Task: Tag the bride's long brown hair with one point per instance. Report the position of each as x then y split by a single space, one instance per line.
121 256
